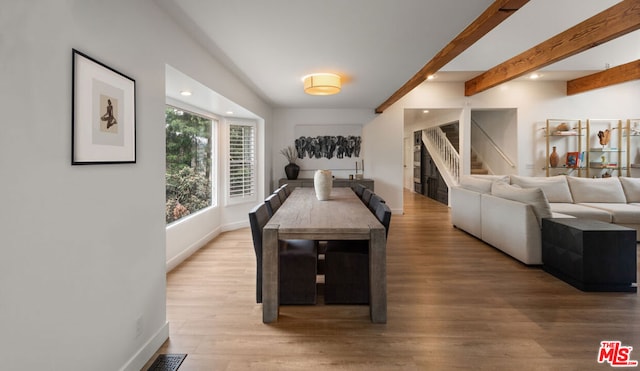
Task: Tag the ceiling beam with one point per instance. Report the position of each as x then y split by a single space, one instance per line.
612 76
616 21
490 18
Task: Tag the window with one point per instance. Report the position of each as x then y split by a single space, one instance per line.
242 161
189 154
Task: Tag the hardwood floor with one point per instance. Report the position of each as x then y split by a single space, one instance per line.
453 303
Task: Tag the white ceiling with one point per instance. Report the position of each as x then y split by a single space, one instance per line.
377 45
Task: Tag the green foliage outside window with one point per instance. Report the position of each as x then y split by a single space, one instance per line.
188 159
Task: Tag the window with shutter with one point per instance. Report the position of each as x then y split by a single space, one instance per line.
242 160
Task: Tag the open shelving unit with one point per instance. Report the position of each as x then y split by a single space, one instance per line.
605 159
567 136
619 155
631 134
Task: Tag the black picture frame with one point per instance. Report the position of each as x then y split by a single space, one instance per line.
103 125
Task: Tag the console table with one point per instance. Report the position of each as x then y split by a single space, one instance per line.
337 182
589 254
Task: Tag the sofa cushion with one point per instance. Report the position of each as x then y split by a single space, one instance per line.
493 178
608 190
475 184
555 188
532 196
631 187
581 211
620 213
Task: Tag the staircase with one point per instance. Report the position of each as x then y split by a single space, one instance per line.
477 167
452 133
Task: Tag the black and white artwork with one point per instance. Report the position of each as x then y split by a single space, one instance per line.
328 146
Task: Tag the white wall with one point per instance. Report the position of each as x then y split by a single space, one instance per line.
501 126
284 134
83 263
538 101
535 102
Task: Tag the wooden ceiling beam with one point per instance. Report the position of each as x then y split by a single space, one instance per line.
612 76
489 19
616 21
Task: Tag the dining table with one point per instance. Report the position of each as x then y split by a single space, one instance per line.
342 217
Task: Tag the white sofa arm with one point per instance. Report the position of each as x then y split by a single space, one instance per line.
512 227
465 210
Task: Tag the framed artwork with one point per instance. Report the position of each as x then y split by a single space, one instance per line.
330 147
103 126
572 159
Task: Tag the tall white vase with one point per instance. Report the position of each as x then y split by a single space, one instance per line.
322 182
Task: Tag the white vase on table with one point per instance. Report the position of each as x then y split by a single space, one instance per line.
323 182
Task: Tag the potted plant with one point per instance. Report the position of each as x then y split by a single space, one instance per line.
292 169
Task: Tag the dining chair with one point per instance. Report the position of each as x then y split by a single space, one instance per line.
347 266
359 189
286 188
273 203
282 194
383 213
366 196
374 202
297 263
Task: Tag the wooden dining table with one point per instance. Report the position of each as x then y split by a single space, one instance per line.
342 217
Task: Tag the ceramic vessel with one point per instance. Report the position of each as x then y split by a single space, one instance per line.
292 170
323 182
554 158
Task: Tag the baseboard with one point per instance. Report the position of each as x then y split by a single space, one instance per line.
175 261
236 225
144 354
397 211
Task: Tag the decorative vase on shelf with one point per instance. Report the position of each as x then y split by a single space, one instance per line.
322 182
554 158
292 170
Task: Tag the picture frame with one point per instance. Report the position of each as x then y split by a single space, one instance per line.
572 160
103 125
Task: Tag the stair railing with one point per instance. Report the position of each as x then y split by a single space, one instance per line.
493 144
443 153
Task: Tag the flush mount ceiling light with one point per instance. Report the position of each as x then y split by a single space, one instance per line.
322 84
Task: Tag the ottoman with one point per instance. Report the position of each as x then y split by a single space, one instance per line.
589 254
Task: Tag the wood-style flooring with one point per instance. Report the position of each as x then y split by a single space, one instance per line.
453 303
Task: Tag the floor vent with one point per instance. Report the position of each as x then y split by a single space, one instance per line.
167 362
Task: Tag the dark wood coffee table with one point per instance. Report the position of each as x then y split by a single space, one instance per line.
589 254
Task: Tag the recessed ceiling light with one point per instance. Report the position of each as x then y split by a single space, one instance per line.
229 112
185 93
534 76
431 77
425 111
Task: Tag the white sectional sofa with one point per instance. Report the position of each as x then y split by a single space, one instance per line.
506 211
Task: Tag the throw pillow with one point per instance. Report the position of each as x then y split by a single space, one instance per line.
596 190
532 196
555 188
631 187
475 184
